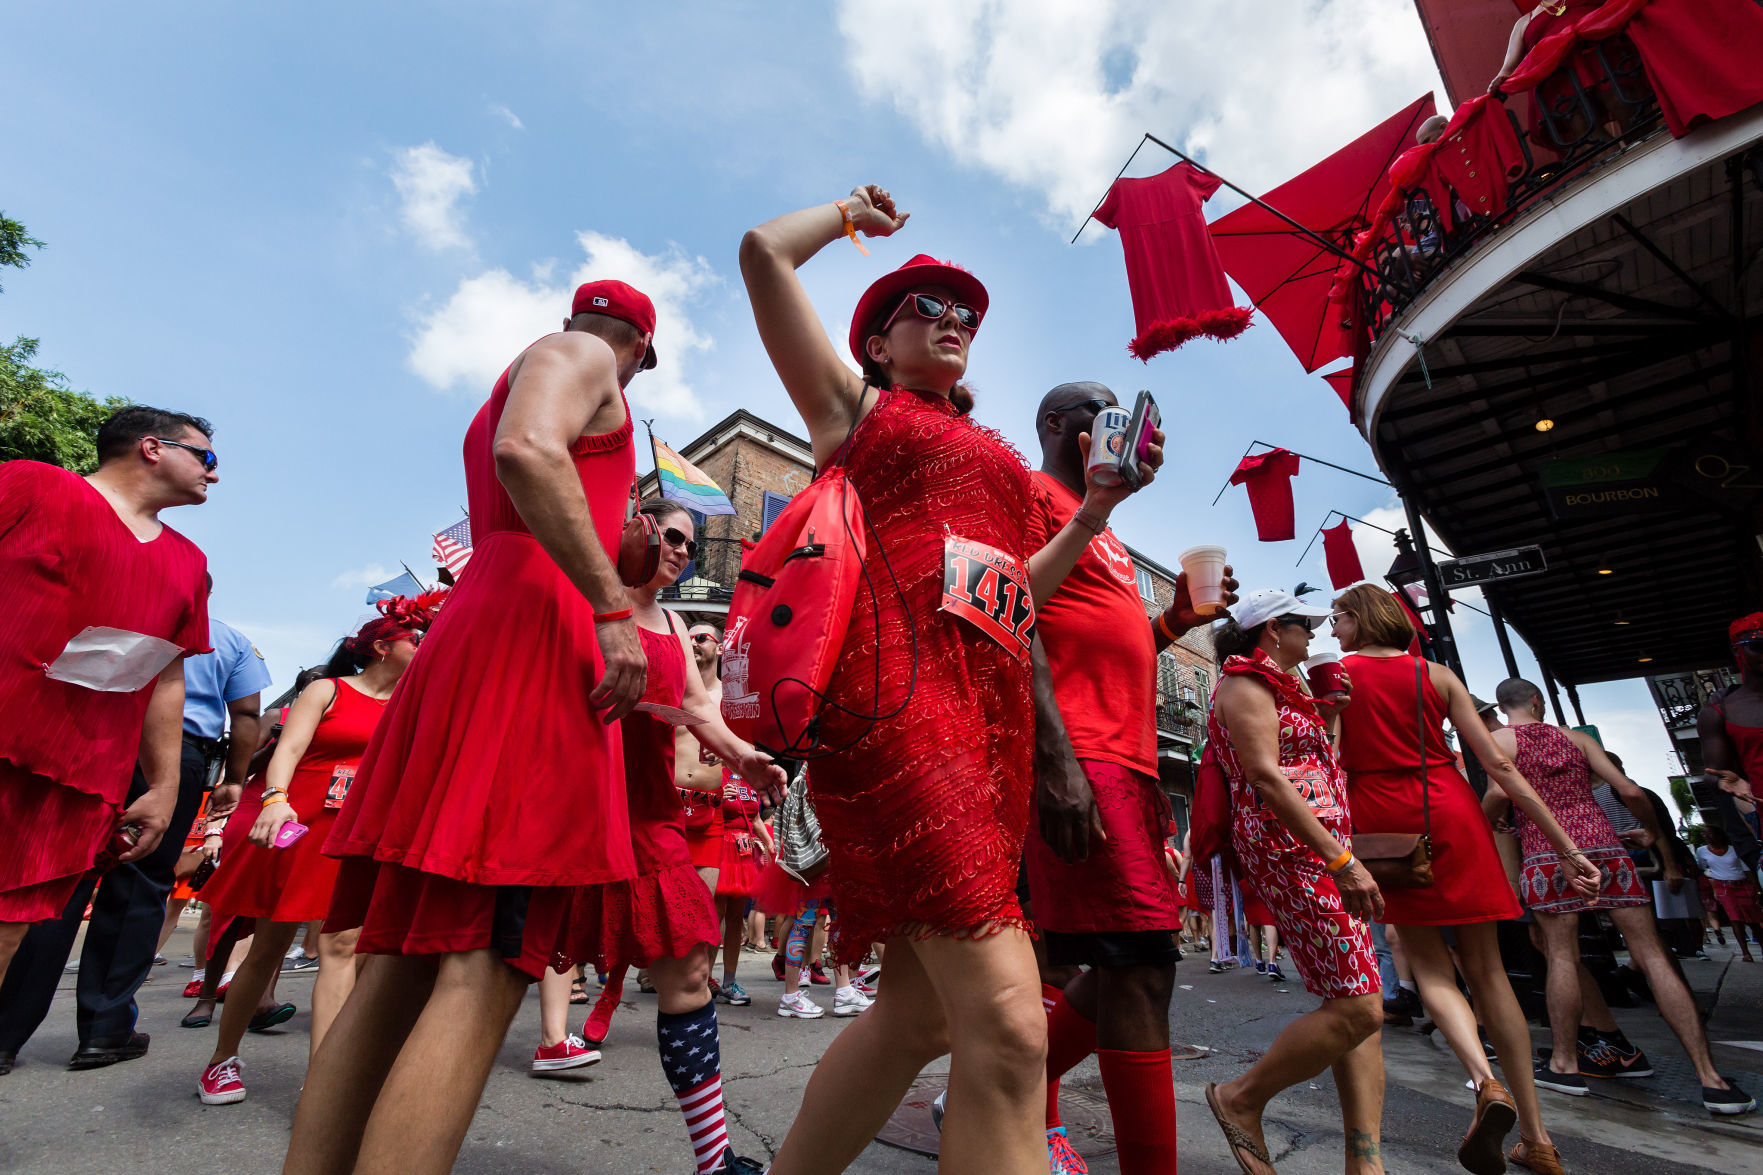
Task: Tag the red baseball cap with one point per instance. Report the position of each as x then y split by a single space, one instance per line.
619 300
922 270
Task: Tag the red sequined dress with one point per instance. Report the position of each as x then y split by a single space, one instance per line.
924 817
666 909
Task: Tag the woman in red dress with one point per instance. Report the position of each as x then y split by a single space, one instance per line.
924 813
1382 744
1289 833
283 888
746 846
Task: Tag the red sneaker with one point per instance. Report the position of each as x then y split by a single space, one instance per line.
193 988
817 975
572 1052
222 1084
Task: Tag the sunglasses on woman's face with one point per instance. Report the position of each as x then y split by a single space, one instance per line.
929 306
1307 623
677 538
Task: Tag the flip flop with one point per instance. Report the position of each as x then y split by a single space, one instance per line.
268 1018
196 1021
578 992
1242 1147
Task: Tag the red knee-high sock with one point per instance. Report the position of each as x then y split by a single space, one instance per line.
1070 1038
1141 1100
599 1020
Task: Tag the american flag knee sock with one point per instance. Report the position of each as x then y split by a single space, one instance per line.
692 1059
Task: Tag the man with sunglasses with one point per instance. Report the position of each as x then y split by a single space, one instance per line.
110 600
1731 730
1118 910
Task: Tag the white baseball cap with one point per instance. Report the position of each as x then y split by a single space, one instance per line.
1259 607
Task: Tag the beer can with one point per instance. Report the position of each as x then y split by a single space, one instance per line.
1108 445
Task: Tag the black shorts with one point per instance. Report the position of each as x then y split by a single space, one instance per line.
1126 948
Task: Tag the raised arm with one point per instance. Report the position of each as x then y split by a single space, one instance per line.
821 385
563 384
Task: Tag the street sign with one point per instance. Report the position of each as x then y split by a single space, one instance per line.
1473 569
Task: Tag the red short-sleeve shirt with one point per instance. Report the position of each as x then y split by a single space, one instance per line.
1098 640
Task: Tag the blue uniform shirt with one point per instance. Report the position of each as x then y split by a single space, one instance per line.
234 670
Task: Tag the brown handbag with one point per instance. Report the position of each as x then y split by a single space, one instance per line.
1403 860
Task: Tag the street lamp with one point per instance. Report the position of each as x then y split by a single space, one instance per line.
1406 571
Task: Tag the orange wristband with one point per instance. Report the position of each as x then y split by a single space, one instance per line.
850 225
1163 627
1340 862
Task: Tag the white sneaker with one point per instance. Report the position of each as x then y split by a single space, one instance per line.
798 1004
848 1001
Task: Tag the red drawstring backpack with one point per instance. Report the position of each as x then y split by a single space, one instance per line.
792 604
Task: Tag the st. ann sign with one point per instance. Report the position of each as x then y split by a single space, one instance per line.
1474 569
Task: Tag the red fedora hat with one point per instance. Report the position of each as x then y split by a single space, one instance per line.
921 271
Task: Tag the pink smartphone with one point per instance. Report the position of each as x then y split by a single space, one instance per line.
290 832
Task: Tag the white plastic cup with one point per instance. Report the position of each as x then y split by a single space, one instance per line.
1204 567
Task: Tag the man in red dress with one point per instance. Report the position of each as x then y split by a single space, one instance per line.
1118 909
103 602
1731 729
492 790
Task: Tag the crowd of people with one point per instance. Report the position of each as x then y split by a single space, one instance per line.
531 780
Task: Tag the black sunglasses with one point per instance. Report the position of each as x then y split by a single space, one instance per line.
932 307
1091 406
677 538
1307 623
1750 642
209 460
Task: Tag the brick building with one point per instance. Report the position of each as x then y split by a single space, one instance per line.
761 466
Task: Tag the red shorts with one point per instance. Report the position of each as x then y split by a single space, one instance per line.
50 834
1124 884
1739 900
404 911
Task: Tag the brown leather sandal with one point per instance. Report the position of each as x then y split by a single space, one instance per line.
1541 1157
1242 1148
1495 1115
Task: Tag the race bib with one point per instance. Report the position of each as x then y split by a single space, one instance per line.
341 777
989 589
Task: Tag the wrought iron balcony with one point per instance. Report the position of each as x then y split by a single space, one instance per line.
711 577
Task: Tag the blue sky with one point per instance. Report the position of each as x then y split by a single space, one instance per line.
326 228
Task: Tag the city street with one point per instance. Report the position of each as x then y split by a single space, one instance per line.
619 1116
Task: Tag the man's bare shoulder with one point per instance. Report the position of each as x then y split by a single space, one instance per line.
573 349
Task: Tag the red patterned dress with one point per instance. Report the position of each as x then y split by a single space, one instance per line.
1331 948
923 818
1558 771
665 910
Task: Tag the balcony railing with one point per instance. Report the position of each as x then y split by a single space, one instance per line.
1589 110
1183 720
712 574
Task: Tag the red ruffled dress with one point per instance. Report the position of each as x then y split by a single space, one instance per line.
1558 771
67 753
294 884
490 790
742 858
1380 748
923 818
1332 949
666 909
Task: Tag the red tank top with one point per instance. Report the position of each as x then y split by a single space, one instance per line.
1379 730
327 769
648 741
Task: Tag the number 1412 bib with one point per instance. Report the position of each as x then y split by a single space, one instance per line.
989 589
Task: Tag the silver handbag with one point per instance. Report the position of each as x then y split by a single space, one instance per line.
799 850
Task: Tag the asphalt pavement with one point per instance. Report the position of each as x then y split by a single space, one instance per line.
619 1116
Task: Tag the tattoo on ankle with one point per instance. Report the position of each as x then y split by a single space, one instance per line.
1361 1145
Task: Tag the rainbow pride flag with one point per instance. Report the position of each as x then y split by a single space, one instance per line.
685 483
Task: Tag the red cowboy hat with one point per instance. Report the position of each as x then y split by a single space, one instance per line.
922 270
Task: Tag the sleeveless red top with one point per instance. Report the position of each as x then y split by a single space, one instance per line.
490 766
924 817
657 815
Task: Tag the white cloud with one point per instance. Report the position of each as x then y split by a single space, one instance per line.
431 184
1052 94
469 339
503 112
363 576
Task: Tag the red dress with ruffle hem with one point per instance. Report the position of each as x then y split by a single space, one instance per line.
923 817
666 909
294 884
67 753
490 790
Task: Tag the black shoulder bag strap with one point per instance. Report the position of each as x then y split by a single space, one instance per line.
1420 723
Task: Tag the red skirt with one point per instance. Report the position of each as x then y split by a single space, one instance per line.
1469 880
403 911
776 892
705 847
660 915
739 871
284 885
50 835
1124 885
1739 900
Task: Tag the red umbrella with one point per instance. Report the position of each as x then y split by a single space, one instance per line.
1288 273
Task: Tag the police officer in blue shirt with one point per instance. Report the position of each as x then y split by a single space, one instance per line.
129 909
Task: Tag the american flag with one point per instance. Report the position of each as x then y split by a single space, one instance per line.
453 546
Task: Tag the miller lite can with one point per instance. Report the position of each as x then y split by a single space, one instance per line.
1108 445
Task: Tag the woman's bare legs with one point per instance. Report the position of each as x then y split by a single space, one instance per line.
978 999
1309 1045
336 979
1478 949
554 1006
1436 974
262 964
173 908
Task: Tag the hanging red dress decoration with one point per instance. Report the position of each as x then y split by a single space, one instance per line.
1179 290
1344 568
1268 477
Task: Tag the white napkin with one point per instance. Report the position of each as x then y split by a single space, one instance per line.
113 660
